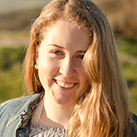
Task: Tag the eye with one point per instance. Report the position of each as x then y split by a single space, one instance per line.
57 52
80 56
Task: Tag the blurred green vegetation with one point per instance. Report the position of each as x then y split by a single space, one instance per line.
11 73
121 16
10 57
12 80
127 50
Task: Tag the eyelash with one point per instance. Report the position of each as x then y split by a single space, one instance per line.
57 52
80 56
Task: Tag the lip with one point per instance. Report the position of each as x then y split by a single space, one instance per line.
65 83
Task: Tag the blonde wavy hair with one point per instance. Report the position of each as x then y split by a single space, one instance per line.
103 110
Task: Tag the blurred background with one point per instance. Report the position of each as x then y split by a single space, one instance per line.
16 17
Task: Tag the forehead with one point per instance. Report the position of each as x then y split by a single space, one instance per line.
66 34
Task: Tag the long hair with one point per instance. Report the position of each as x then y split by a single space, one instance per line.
103 110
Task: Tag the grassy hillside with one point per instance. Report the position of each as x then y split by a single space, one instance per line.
14 36
122 15
127 50
16 5
119 12
11 74
17 21
12 80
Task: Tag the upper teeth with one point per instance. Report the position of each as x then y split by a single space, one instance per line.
64 85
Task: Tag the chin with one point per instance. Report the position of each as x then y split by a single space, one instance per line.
64 101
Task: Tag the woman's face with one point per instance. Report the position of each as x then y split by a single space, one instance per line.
60 62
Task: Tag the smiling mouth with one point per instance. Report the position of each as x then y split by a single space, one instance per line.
64 84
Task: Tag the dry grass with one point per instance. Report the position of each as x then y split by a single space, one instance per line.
122 15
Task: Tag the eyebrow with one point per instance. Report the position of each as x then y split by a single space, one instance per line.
56 46
80 51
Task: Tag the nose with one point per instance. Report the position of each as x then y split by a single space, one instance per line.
67 68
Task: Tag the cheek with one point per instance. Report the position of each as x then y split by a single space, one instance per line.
45 76
47 70
84 81
46 64
81 74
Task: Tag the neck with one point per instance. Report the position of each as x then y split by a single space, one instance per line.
54 114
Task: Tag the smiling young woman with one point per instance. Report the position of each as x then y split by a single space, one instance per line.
60 62
73 70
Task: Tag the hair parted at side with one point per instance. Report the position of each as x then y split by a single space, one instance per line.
104 111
